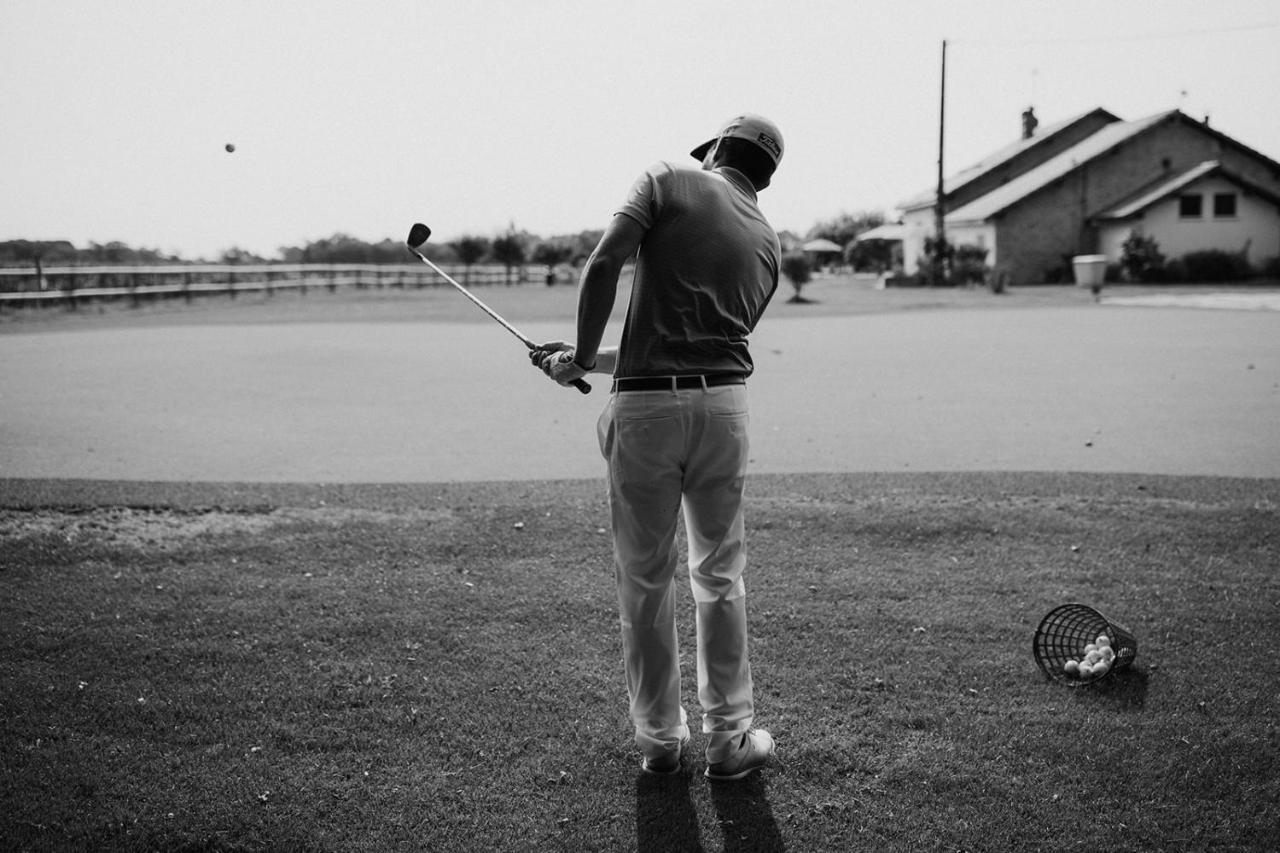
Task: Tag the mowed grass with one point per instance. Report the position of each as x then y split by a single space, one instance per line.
360 668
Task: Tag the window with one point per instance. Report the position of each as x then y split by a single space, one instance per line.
1190 206
1224 205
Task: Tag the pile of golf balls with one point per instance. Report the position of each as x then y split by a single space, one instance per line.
1097 660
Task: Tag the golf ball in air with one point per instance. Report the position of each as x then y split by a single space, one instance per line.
230 148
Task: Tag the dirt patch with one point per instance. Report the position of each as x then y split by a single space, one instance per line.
134 527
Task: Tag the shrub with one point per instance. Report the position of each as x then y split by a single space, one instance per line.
1216 265
969 265
1059 274
1140 257
797 267
937 260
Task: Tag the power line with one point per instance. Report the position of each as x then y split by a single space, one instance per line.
1270 25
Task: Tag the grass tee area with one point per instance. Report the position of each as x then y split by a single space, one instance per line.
247 666
436 667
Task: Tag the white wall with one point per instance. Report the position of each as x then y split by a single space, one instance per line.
919 226
978 234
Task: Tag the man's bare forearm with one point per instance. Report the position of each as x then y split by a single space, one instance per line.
599 288
596 294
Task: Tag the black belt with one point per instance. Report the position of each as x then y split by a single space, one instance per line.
670 383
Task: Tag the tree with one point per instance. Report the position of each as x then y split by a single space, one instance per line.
33 251
876 255
797 267
236 255
845 227
117 252
469 250
509 250
552 253
337 249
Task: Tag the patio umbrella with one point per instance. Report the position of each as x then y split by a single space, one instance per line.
821 245
891 231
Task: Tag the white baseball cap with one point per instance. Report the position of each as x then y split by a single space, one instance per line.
751 127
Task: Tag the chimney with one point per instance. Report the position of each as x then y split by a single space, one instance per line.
1029 123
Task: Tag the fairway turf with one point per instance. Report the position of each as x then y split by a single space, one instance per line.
271 667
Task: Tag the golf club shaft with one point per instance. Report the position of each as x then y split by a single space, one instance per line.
485 308
580 384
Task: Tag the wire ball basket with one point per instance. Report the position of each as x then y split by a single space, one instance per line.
1064 633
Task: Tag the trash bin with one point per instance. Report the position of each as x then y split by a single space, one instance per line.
1090 270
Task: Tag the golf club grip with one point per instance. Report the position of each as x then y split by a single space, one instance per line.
582 386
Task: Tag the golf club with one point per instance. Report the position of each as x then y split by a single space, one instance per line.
418 235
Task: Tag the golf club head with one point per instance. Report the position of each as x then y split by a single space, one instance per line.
418 235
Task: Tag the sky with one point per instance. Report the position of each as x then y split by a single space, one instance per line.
478 115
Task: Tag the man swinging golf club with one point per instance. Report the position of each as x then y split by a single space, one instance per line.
674 431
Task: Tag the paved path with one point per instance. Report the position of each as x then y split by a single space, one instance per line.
1091 388
1260 301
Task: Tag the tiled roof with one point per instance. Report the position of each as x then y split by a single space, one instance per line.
1106 138
986 164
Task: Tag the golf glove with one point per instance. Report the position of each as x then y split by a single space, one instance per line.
561 367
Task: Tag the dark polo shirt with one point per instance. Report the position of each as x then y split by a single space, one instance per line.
706 270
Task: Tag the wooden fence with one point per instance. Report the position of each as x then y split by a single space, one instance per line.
74 284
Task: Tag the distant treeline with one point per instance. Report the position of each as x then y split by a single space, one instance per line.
15 253
510 249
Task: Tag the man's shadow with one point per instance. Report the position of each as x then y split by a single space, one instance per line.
665 817
667 821
745 817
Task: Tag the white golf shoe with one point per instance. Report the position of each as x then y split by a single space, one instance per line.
753 752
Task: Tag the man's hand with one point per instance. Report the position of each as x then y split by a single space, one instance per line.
561 367
555 358
542 352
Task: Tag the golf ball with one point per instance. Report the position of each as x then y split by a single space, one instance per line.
1085 670
230 148
1103 640
1071 667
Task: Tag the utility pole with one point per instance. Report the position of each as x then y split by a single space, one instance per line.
939 210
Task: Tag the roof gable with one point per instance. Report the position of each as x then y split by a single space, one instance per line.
1160 191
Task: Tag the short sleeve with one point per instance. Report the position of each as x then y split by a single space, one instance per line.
644 200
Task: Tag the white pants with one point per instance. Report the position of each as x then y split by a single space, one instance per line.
666 449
